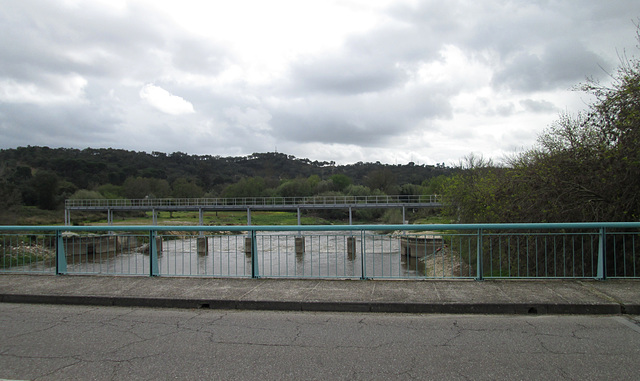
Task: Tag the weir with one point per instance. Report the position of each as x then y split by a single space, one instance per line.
421 245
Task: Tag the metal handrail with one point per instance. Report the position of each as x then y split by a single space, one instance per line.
255 201
611 249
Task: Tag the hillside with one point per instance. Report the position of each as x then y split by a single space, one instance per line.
44 177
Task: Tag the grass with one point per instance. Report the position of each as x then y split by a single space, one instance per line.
29 215
34 216
220 218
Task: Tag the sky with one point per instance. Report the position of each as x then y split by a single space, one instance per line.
394 81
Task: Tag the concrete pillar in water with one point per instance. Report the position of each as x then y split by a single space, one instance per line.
351 248
247 246
159 244
203 246
299 245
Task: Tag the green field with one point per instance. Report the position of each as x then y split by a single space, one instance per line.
33 216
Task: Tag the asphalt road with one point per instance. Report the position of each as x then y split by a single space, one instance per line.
43 342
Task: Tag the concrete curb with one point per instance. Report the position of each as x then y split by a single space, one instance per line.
384 307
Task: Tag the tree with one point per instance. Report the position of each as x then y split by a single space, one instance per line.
295 188
382 179
184 188
340 182
141 187
45 186
246 187
85 194
9 196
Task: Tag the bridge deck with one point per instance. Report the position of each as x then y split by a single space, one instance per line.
258 203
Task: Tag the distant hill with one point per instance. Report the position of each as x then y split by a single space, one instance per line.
25 171
91 166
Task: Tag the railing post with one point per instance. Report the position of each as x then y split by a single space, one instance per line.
602 251
153 254
363 254
479 268
255 273
61 258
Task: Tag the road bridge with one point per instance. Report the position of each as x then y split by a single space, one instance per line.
248 204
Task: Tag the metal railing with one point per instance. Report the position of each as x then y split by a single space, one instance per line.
474 251
254 201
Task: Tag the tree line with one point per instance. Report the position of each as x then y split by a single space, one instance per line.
44 177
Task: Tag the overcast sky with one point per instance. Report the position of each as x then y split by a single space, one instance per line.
351 80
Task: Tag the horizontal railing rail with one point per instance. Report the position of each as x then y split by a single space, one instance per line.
473 251
254 201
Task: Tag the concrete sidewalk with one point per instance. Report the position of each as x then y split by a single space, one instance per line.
412 296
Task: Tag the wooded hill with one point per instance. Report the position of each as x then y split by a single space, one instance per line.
44 177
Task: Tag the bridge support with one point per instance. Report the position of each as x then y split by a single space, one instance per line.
351 248
203 245
299 245
248 243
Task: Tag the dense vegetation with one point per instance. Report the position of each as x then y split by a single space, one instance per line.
43 177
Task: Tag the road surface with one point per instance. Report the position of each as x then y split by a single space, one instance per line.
43 342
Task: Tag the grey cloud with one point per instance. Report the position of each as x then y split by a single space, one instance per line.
58 126
346 75
199 56
561 65
53 39
364 120
538 106
91 42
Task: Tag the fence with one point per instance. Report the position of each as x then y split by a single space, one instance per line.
478 251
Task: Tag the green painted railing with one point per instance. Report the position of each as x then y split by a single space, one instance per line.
473 251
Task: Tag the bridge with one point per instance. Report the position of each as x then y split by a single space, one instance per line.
248 204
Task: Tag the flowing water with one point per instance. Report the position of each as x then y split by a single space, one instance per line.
325 255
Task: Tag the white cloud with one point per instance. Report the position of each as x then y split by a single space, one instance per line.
165 101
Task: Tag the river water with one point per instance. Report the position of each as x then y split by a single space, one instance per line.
325 255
